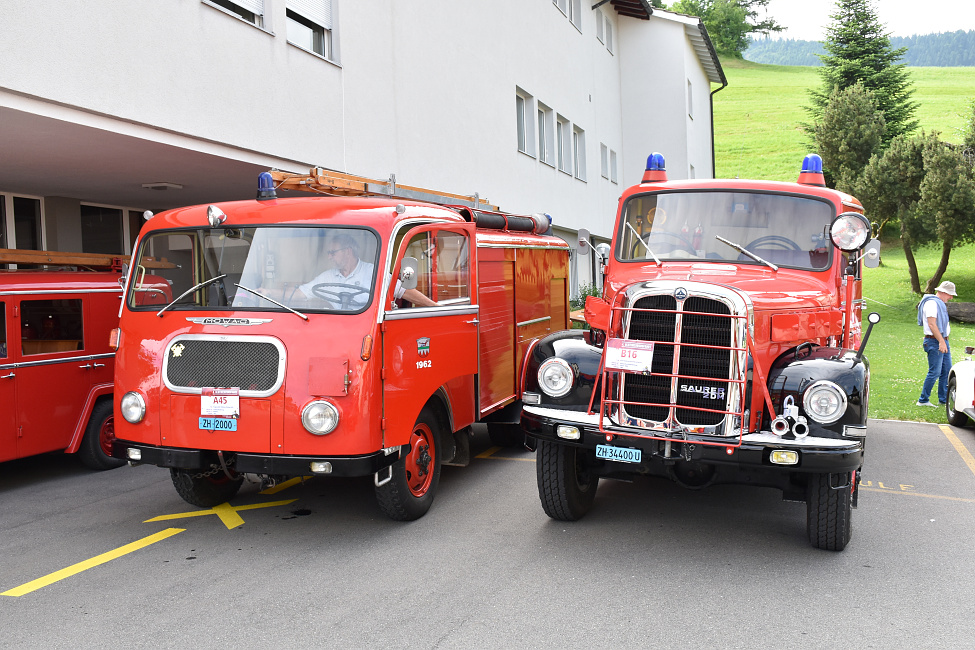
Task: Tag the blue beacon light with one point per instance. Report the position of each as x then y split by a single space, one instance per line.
656 169
265 187
812 171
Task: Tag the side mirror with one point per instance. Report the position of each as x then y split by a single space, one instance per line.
871 254
603 250
584 242
408 272
125 274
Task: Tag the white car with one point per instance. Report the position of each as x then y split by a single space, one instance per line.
960 407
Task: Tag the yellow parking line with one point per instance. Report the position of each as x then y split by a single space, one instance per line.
959 447
226 512
917 494
284 486
493 450
67 572
488 453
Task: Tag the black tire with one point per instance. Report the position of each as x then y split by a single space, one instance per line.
955 418
96 447
205 491
412 487
829 511
503 434
566 485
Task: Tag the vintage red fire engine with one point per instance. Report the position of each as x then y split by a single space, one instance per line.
56 365
342 336
726 348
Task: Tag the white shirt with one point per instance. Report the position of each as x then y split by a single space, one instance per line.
361 276
931 311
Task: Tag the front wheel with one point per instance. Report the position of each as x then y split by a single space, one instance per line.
829 510
96 447
566 484
955 418
409 492
205 491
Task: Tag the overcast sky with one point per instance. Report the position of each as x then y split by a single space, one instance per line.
807 19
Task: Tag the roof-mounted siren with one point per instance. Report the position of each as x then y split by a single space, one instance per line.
812 171
656 169
265 187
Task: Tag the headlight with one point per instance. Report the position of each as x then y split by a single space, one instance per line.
133 407
555 377
320 418
850 231
825 402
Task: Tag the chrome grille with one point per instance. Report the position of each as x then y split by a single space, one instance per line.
253 366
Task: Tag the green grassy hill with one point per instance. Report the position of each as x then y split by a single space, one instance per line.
758 135
757 117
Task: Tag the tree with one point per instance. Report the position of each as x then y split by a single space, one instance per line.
729 22
848 134
858 49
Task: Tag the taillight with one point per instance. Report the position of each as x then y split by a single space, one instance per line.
114 338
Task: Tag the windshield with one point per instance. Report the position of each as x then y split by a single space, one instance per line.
307 269
784 230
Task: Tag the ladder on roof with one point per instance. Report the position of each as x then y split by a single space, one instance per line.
81 260
326 181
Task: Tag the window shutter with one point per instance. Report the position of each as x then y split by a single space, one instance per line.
317 11
256 7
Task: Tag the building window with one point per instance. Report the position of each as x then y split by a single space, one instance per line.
599 27
603 160
560 4
27 223
691 172
690 100
101 230
310 25
564 144
609 36
250 10
575 13
526 131
579 152
546 134
612 166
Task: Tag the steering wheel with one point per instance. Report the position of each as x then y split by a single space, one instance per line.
681 244
775 241
330 293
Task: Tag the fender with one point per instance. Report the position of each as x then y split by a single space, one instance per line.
795 371
571 346
94 394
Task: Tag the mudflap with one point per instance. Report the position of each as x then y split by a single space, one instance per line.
462 448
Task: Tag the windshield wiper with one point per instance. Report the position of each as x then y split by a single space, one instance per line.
189 291
645 244
742 249
261 295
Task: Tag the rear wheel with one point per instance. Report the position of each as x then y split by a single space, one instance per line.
566 484
955 418
829 510
409 492
96 447
205 491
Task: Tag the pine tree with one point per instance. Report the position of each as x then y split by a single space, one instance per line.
858 49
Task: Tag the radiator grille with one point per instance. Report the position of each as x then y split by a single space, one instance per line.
704 321
247 365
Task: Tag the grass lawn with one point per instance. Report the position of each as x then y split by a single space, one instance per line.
897 362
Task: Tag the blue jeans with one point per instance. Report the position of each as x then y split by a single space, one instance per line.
939 363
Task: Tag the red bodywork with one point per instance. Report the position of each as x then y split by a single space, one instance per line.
373 366
51 379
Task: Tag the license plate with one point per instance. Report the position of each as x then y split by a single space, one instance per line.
218 424
619 454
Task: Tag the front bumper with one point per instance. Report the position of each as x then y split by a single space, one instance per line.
816 455
201 459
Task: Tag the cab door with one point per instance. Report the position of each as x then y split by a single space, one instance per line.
8 397
429 349
53 377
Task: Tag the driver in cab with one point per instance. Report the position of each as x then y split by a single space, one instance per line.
349 272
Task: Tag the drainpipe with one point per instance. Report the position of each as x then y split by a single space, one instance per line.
724 83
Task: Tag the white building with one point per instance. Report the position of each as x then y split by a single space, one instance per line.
108 109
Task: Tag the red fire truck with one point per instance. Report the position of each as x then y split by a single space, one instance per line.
56 365
726 348
341 336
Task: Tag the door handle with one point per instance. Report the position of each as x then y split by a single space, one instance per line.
87 365
98 365
7 376
472 322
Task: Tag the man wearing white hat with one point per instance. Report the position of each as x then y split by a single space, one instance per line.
932 315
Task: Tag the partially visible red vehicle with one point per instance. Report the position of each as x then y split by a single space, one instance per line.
56 365
289 350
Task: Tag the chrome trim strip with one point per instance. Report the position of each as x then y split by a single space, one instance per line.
282 359
533 321
539 247
47 362
430 312
55 291
854 430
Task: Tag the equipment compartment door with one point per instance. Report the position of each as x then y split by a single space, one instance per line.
8 395
430 348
